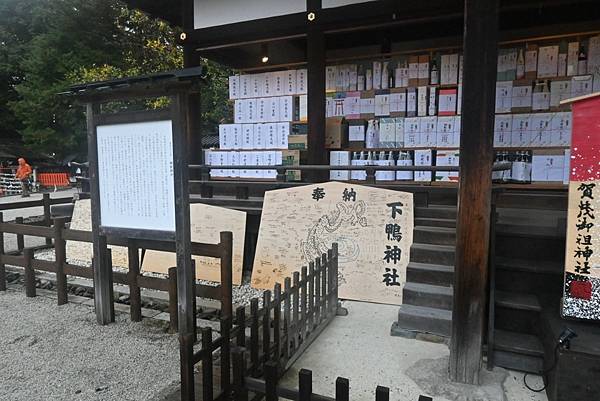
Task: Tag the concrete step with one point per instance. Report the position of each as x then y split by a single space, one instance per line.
424 320
431 296
434 222
437 211
434 235
430 274
432 254
518 351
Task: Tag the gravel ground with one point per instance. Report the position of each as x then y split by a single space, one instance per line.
61 353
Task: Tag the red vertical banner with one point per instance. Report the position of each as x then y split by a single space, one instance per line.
582 261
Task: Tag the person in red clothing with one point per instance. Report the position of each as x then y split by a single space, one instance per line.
23 173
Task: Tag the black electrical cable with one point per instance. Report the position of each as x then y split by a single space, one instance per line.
544 373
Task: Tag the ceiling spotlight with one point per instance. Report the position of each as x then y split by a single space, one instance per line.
264 51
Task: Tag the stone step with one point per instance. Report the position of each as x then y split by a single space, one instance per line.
432 254
434 235
431 296
529 266
520 301
518 351
424 320
434 222
430 274
438 211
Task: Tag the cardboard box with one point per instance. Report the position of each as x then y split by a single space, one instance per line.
230 136
503 131
540 101
449 69
504 94
411 102
422 101
401 77
382 105
339 158
521 98
559 91
547 62
302 109
531 62
447 102
423 72
260 136
581 85
283 133
248 136
352 105
446 132
547 166
521 131
447 158
398 102
298 142
245 89
367 105
572 58
413 71
330 78
432 102
428 131
291 158
541 125
336 133
238 111
301 82
423 158
399 131
377 74
262 109
561 126
356 134
412 137
234 87
387 133
286 108
273 109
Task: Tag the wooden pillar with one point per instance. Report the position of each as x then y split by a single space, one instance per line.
192 59
476 158
185 272
102 270
315 58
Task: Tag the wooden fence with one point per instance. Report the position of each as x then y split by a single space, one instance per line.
278 333
270 389
57 235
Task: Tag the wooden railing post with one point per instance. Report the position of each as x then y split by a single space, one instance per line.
240 321
254 334
194 303
271 378
317 280
303 314
324 287
334 264
111 288
47 217
266 324
295 310
2 266
226 356
330 284
207 365
277 322
287 315
370 175
226 273
60 256
342 389
186 366
135 296
304 385
29 273
20 237
239 372
311 296
173 313
382 393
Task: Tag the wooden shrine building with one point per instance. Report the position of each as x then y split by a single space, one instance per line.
487 260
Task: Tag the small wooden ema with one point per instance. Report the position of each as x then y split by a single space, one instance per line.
83 251
206 222
300 224
582 261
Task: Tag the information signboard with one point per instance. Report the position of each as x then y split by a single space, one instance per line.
135 176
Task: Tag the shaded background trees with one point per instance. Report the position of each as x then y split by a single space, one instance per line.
48 45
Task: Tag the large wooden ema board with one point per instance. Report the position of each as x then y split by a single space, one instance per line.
83 251
582 262
372 227
207 222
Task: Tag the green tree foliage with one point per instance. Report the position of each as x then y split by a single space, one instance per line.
48 45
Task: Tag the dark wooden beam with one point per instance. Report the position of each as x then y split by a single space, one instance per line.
192 59
103 290
315 55
476 158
